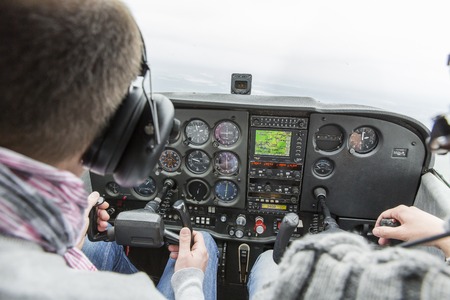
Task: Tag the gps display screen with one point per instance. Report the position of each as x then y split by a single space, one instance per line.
273 142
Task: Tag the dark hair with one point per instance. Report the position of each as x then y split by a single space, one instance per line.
64 68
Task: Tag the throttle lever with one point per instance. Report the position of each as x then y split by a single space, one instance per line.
181 209
287 227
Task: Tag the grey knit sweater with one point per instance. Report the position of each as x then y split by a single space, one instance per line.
344 266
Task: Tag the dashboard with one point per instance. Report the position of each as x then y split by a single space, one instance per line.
240 161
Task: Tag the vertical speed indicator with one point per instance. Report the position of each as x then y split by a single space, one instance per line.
226 190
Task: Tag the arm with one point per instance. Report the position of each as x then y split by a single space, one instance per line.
187 281
414 224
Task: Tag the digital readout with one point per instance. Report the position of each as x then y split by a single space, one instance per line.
275 165
274 206
273 142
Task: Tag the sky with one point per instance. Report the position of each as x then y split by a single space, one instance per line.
387 54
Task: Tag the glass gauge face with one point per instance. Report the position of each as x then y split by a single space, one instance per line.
363 140
329 138
197 189
323 167
226 190
146 189
197 161
112 188
226 163
227 133
170 160
197 132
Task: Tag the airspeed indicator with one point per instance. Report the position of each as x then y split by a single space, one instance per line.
197 132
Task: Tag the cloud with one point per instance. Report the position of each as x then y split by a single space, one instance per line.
388 54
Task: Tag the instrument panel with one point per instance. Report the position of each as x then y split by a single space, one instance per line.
242 162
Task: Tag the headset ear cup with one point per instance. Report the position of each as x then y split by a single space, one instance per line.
104 154
439 141
143 152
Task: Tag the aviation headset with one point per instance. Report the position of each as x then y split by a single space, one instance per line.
439 141
132 142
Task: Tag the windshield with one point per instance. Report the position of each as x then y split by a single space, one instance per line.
387 54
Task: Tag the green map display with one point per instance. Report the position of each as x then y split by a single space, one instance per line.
272 142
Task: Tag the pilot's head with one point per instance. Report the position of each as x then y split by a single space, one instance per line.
64 69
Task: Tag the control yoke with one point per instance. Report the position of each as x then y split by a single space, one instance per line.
321 194
141 227
287 227
181 209
93 234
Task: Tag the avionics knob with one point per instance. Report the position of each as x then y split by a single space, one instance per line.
260 227
223 218
239 233
241 220
231 231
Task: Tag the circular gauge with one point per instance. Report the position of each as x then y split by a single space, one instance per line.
329 138
197 189
146 189
112 188
323 167
226 163
197 132
363 140
226 190
197 161
227 133
170 160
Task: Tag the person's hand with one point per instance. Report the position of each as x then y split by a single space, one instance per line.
414 224
102 215
197 257
173 249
